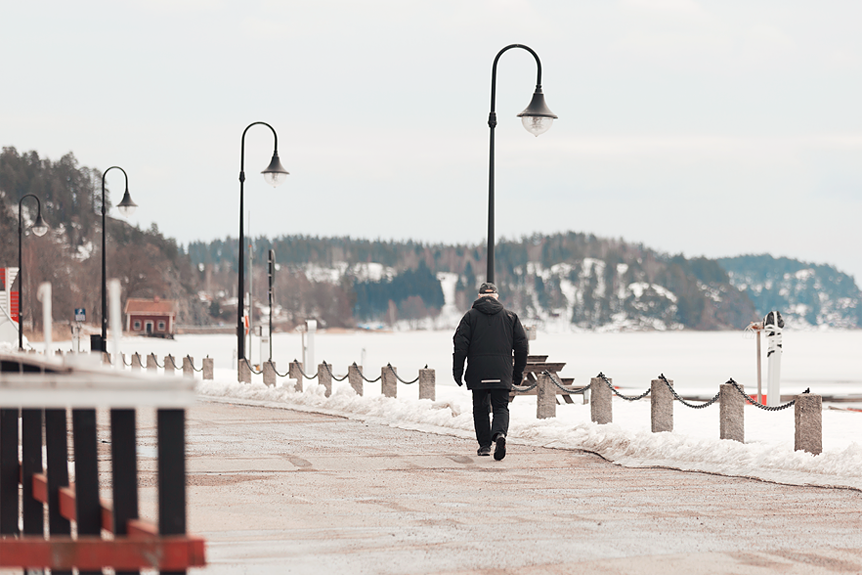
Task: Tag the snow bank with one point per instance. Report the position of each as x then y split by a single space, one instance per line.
767 455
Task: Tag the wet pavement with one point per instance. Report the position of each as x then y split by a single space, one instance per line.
280 491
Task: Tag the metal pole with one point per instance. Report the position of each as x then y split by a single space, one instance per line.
271 266
21 269
104 319
492 123
240 294
759 371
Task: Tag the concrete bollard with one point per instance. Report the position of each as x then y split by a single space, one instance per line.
151 362
546 398
243 371
269 373
731 413
294 372
324 378
427 384
809 423
136 362
170 366
355 379
661 407
601 401
388 382
189 367
208 367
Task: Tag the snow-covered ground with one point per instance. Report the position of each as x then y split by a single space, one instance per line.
698 362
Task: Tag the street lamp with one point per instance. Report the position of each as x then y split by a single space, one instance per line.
39 228
126 208
274 175
537 120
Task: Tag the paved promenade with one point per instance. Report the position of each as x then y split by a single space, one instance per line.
276 491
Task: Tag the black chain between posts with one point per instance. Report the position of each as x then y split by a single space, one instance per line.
123 355
755 402
173 362
156 361
332 375
525 387
564 389
363 375
192 363
684 402
604 378
395 373
305 375
280 374
251 369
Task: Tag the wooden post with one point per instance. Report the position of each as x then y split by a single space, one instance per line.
809 423
732 413
324 378
269 373
546 398
661 407
151 362
208 367
136 362
189 367
388 383
601 401
427 384
294 372
355 379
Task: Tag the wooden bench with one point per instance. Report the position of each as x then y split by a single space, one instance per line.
537 364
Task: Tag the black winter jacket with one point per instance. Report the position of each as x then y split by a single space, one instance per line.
487 338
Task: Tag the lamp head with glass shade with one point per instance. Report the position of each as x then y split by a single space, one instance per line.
537 118
275 174
127 206
39 228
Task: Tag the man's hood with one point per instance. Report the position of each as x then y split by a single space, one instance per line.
488 305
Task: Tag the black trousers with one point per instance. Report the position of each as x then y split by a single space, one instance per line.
498 400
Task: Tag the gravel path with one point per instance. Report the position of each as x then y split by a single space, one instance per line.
279 491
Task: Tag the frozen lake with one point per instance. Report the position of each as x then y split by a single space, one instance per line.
829 362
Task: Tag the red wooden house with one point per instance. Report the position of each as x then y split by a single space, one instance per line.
153 317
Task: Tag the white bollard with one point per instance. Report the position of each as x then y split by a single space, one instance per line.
773 325
44 295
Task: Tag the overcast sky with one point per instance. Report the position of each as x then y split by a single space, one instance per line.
699 127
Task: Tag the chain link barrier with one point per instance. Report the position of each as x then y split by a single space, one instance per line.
305 375
332 375
192 363
251 369
173 362
758 404
524 388
123 356
684 402
604 378
564 389
362 375
395 373
156 360
287 374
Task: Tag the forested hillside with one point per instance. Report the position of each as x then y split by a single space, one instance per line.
561 281
69 255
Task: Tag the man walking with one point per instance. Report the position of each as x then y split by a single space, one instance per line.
487 338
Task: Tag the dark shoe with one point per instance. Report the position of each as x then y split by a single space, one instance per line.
500 448
484 451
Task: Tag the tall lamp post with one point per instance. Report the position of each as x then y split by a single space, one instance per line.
274 175
537 120
127 208
40 228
